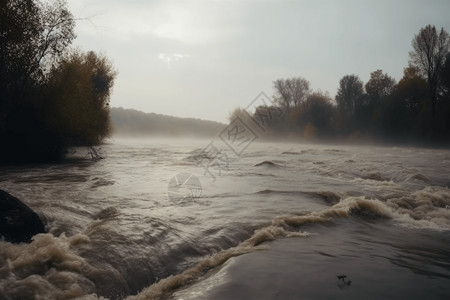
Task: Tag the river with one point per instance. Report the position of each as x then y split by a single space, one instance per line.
173 219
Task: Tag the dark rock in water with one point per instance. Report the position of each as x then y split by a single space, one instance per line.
18 222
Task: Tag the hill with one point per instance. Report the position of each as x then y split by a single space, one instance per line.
131 122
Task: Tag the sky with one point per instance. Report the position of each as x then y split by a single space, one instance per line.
202 59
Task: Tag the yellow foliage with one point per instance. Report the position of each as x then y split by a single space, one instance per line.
77 102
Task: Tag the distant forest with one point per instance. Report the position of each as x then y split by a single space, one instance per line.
414 110
130 122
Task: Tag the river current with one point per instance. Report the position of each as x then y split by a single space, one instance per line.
163 218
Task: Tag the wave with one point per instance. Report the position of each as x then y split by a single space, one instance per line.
293 152
426 208
269 191
254 174
327 196
51 267
280 227
419 177
198 155
411 177
107 213
54 267
333 150
45 269
373 176
362 207
267 163
100 182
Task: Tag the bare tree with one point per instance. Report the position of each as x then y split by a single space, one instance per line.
282 95
291 92
299 90
33 37
57 32
430 49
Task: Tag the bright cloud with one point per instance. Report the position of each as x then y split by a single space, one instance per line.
170 58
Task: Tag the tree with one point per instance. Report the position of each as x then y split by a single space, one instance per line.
430 49
411 90
379 85
19 24
445 78
77 95
314 115
289 93
49 99
349 93
404 114
33 37
443 113
239 112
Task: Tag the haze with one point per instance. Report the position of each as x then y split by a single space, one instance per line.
202 59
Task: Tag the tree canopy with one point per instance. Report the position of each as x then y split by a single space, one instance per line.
51 97
430 50
291 92
350 91
416 109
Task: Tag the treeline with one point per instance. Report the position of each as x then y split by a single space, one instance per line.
415 109
51 96
133 123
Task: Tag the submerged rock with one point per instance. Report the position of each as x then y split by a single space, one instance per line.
18 222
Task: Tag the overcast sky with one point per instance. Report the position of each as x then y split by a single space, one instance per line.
202 59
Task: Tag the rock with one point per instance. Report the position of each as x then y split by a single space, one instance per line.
18 222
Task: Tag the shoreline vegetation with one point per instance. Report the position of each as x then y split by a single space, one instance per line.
54 97
413 111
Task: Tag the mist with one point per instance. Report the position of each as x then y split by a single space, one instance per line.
133 123
224 149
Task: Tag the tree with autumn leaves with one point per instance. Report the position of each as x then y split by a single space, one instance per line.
51 96
415 109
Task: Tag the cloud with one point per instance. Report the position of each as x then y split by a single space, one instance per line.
170 58
188 22
203 58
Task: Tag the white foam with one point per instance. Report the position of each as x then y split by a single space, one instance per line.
425 208
47 268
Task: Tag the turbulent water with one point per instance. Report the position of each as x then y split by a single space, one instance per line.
280 221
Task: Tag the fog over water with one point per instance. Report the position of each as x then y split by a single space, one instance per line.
278 221
224 149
